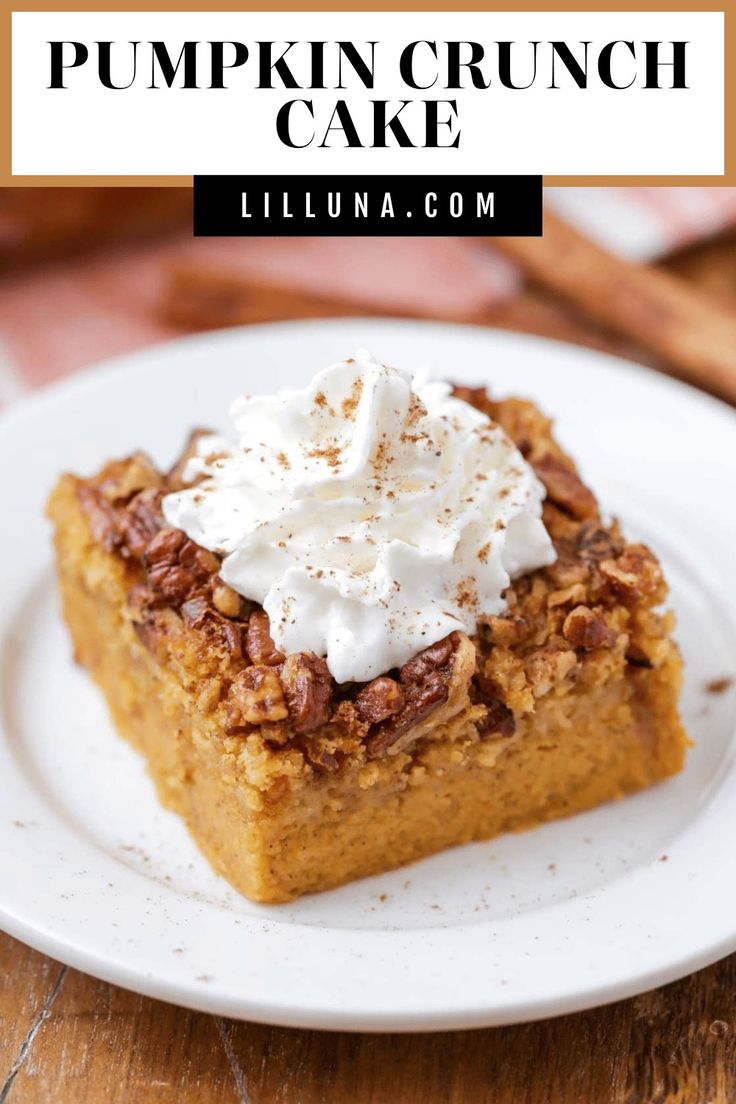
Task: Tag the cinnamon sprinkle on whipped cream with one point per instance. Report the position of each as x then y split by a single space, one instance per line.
353 511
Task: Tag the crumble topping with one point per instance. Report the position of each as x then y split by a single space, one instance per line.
580 618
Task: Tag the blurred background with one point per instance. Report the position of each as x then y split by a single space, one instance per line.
86 273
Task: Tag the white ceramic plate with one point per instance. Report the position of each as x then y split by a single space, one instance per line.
95 873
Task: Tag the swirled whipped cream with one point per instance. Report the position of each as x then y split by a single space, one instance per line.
370 514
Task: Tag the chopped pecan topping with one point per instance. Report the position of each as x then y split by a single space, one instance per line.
255 698
565 487
595 543
198 613
505 631
426 665
635 574
126 529
561 525
567 570
226 600
139 523
585 628
164 547
346 720
499 720
319 757
203 562
425 681
258 642
307 685
379 699
101 516
128 477
178 568
173 582
569 594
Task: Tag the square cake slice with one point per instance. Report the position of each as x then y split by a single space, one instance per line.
292 780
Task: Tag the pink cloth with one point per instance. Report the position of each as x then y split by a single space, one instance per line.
64 316
69 315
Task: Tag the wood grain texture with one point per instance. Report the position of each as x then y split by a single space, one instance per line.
95 1043
68 1039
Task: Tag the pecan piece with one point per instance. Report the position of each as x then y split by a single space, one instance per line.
226 600
425 681
499 720
200 560
307 685
596 543
165 547
173 583
505 631
567 570
127 477
139 523
258 642
177 567
199 614
428 662
635 574
584 628
565 597
255 698
379 699
319 757
101 516
565 487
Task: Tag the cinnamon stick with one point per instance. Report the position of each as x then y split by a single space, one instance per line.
693 333
199 298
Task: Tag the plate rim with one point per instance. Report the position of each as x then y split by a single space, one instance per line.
117 364
280 1014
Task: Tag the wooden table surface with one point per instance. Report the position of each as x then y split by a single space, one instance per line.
66 1038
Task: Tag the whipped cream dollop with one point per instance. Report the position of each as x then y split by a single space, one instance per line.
370 514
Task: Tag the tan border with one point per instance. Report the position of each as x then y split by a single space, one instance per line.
728 7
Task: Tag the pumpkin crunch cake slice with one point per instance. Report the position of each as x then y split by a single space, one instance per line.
387 620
